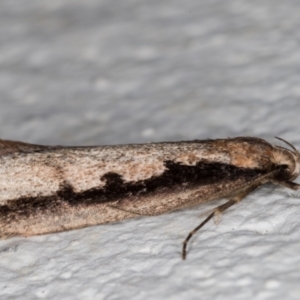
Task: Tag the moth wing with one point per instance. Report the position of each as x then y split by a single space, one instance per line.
9 147
167 201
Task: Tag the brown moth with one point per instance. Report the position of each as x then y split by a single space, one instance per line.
46 189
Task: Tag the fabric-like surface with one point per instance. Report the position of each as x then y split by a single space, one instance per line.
111 72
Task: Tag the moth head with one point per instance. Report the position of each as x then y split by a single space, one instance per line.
289 158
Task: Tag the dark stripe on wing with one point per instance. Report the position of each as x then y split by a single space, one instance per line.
176 176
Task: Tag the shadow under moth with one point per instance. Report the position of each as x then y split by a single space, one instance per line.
46 189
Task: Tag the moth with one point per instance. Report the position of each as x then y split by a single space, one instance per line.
46 189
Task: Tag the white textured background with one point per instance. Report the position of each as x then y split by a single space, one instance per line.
122 71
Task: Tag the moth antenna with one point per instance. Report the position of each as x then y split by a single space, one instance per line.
278 138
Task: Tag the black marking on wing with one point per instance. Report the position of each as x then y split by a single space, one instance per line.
176 176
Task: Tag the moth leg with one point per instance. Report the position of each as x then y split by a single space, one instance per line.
236 198
138 214
289 184
125 210
217 212
220 209
153 211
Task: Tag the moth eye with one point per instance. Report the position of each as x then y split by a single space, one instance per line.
283 173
